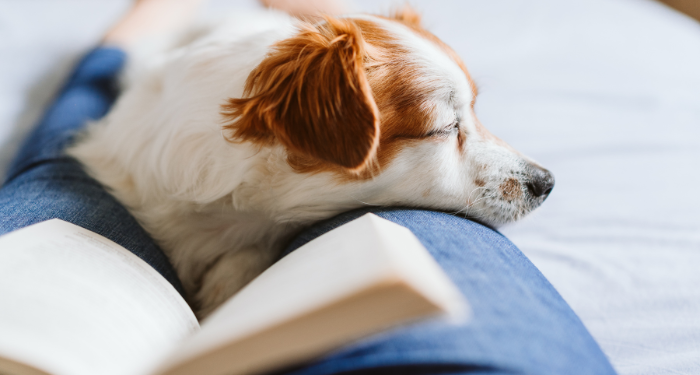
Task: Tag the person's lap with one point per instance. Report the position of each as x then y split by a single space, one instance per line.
520 324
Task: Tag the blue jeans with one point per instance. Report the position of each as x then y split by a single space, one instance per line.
520 324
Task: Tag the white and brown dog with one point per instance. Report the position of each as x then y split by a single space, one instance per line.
230 144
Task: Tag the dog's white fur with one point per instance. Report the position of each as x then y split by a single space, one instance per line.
222 211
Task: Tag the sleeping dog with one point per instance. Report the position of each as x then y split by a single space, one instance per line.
226 146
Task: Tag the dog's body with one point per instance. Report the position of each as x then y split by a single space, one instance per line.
229 145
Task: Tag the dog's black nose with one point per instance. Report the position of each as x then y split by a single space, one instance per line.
541 181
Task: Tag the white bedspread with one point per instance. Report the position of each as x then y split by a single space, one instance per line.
605 93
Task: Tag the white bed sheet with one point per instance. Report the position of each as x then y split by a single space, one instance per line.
605 93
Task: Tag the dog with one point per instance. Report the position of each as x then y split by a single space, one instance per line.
227 146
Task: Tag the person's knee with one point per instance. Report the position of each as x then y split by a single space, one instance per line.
519 323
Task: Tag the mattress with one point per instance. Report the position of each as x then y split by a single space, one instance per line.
604 93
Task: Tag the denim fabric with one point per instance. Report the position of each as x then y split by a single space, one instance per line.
43 183
520 324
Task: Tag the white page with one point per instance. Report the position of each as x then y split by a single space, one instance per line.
367 252
73 302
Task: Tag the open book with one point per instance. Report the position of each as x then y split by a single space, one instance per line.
73 302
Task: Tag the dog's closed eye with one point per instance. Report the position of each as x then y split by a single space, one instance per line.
449 130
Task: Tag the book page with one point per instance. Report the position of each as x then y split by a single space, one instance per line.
73 302
365 276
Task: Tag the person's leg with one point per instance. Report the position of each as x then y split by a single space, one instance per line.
44 184
519 324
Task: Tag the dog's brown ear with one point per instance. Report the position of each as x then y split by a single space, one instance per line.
408 16
311 94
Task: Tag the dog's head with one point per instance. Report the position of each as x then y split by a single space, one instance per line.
379 100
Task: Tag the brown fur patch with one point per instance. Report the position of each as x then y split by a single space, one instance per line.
402 100
311 94
510 189
409 17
